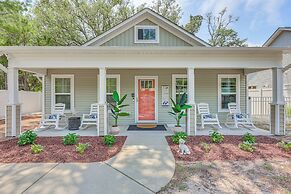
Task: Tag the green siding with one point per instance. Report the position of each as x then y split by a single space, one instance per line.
127 38
206 88
85 88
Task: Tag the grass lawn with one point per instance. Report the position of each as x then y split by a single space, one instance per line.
225 168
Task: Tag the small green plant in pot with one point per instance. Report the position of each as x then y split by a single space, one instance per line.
27 137
116 110
179 110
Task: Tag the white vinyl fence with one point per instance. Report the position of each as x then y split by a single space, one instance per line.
260 108
30 102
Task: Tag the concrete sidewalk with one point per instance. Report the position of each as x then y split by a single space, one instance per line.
144 165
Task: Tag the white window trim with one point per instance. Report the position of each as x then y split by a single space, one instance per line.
157 40
174 77
117 77
72 93
220 76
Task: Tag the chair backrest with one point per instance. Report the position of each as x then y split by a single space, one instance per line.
59 109
233 108
203 108
94 109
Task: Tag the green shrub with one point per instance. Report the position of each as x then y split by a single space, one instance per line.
82 147
205 146
248 137
71 139
216 137
247 146
178 136
27 137
36 148
109 140
285 146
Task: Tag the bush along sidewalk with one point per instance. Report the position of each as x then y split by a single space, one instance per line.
27 137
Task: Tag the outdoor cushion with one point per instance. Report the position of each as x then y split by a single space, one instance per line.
93 116
208 116
53 116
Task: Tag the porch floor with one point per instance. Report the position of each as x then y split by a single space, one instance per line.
91 131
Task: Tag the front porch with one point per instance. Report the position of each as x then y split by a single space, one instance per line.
91 131
214 76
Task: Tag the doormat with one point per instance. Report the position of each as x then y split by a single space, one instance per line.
156 128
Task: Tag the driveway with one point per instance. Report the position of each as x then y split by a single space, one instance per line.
144 165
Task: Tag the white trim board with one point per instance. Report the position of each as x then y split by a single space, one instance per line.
72 93
237 76
136 78
174 77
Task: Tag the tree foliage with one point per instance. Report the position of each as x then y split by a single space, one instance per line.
170 9
194 24
221 34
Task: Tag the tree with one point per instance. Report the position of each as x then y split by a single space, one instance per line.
220 33
194 24
17 28
73 22
170 9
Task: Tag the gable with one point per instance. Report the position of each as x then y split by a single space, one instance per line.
126 38
123 34
283 40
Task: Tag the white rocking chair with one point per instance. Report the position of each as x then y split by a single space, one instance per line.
54 119
91 118
206 117
236 117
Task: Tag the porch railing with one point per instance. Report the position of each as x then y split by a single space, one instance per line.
260 109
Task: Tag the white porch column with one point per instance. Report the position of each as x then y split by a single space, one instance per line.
13 117
43 80
277 107
102 101
191 113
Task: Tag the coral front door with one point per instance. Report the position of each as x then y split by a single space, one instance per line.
146 100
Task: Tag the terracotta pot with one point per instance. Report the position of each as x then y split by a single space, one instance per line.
114 130
178 129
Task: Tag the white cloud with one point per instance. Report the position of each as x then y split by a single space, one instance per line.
216 6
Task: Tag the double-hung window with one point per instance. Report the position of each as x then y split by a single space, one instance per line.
179 86
228 91
146 34
63 91
112 84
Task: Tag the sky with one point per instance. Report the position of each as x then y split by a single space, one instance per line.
258 19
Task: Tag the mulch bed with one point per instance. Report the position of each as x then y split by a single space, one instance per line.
266 148
56 152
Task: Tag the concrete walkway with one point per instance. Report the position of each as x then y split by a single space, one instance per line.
144 165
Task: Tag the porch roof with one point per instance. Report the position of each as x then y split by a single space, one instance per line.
144 57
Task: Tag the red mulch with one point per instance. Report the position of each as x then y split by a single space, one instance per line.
266 148
55 151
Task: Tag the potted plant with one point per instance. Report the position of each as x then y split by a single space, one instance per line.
116 110
179 109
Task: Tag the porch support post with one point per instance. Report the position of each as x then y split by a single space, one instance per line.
102 101
13 117
43 78
191 113
277 116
